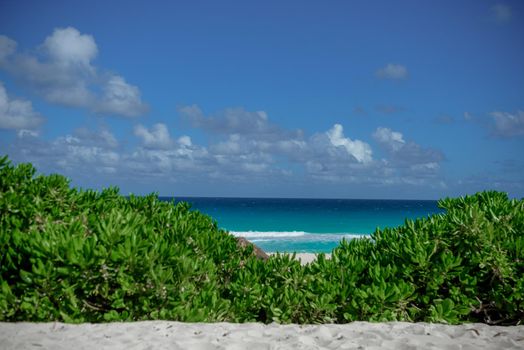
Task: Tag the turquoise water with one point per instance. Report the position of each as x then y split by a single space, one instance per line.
306 225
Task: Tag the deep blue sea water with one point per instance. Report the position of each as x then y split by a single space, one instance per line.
306 225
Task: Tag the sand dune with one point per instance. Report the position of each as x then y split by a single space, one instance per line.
256 336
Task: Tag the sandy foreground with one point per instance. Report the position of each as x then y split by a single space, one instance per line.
257 336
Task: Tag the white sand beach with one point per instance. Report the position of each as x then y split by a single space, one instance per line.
305 258
256 336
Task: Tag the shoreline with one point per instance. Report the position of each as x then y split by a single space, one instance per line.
258 336
304 258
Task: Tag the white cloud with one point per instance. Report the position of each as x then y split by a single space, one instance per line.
162 156
62 89
429 167
235 121
231 146
121 98
101 138
157 137
501 13
331 156
255 167
407 162
77 152
185 141
392 71
27 133
68 47
391 139
408 158
291 146
279 156
325 156
7 47
81 153
193 113
361 151
182 160
238 157
17 114
64 74
508 124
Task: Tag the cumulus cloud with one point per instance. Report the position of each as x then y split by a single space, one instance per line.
235 121
157 137
361 151
120 98
250 141
508 124
277 156
501 13
415 155
182 161
78 154
392 140
392 71
25 132
333 157
68 47
81 153
252 138
63 73
408 158
159 155
100 138
17 114
241 155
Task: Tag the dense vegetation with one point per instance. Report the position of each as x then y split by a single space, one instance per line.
85 256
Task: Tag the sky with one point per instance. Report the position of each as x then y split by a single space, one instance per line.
311 99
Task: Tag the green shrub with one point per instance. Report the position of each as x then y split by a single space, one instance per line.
86 256
464 265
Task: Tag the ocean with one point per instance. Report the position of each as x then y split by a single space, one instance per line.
306 225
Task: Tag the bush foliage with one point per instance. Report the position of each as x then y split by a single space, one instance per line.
85 256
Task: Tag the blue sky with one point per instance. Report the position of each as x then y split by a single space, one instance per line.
341 99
